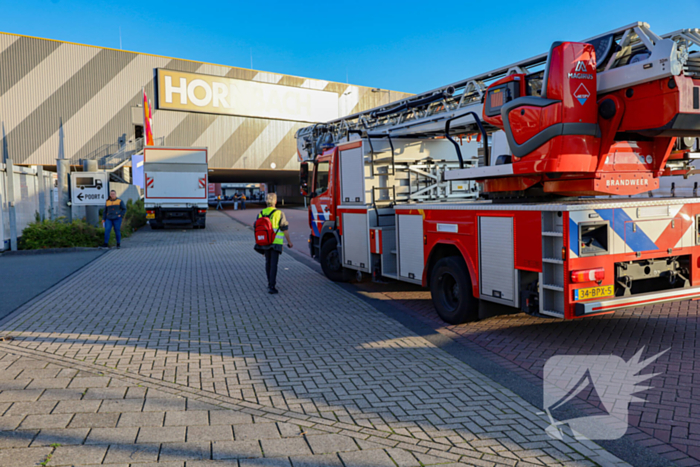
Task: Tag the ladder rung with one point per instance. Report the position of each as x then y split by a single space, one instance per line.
556 314
552 261
556 288
553 234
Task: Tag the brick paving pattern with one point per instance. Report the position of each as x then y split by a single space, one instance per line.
186 312
668 423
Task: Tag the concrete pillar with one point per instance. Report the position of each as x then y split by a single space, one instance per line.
10 170
63 210
41 189
92 213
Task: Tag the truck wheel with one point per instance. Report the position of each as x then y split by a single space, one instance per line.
451 291
331 262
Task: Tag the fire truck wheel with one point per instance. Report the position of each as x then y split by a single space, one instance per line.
451 291
331 262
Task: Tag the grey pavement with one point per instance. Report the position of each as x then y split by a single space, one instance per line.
185 313
19 281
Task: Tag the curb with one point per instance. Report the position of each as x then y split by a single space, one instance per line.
46 251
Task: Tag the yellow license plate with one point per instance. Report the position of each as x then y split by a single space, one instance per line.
594 292
151 216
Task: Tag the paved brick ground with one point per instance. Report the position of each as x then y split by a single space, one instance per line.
668 423
186 311
671 416
54 415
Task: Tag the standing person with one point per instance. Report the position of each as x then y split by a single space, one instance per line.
243 198
218 205
112 218
272 253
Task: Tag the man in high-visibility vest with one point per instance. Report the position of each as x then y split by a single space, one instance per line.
272 252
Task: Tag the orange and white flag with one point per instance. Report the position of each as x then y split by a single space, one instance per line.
147 120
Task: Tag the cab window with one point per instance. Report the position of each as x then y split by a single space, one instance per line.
321 177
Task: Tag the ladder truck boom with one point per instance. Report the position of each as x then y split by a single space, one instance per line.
488 190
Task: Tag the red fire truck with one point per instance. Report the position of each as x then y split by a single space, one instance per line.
524 188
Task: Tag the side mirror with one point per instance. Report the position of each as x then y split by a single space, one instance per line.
304 179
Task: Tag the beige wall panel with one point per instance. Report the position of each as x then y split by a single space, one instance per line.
6 40
264 144
93 90
218 133
97 112
52 73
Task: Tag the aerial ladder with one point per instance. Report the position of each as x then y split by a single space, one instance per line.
556 219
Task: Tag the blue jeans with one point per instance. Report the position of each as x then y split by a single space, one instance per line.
117 224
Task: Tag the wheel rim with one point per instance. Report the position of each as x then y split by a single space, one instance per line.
333 261
449 292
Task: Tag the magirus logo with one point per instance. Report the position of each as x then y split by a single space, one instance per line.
615 382
581 72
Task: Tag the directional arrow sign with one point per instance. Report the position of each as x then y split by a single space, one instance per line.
89 188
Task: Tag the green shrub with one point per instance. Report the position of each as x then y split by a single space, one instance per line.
135 217
60 234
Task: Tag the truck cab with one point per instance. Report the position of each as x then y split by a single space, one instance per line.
319 179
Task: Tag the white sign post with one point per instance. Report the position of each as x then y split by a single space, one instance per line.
89 188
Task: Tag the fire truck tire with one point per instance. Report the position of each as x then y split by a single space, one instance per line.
451 290
331 263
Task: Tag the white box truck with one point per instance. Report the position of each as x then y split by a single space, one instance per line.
175 186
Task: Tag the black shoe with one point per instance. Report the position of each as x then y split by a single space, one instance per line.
118 246
104 245
272 290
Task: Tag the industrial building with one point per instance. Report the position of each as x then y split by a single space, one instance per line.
73 101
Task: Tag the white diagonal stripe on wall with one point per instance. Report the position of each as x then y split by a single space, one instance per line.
6 40
264 144
264 77
314 84
52 73
348 100
218 133
105 104
216 70
293 163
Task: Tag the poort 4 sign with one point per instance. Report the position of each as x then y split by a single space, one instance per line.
219 95
89 188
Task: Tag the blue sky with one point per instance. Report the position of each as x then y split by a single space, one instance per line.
405 46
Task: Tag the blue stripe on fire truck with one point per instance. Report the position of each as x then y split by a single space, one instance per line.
573 236
623 225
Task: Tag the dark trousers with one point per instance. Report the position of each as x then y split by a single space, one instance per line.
117 225
272 258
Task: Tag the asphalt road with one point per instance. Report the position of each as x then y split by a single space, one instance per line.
23 277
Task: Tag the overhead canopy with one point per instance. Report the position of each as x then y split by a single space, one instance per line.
280 177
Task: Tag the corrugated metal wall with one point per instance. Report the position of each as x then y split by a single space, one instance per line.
89 92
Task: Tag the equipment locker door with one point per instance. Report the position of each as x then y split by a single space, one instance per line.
356 241
497 274
352 176
409 233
